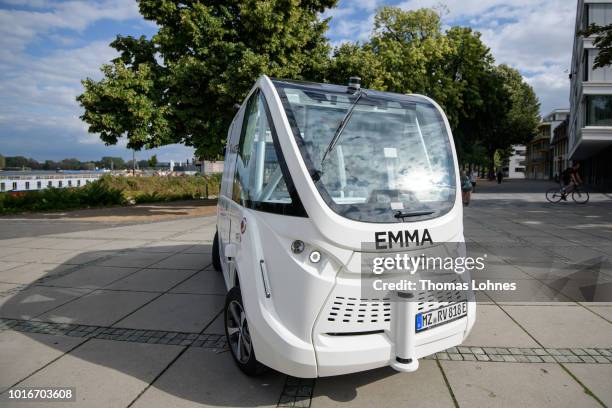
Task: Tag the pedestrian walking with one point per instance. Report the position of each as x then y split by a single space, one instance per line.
473 179
500 176
466 188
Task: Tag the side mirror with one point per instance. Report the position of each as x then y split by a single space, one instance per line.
237 106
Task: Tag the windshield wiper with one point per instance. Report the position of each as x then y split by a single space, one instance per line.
402 214
341 126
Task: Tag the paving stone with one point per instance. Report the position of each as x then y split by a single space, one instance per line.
504 385
105 373
203 378
23 353
176 312
509 359
374 389
596 377
555 326
36 300
521 358
496 329
587 359
101 307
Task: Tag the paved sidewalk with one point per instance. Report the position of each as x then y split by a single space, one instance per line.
129 315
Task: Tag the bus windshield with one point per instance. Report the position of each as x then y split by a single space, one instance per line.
392 160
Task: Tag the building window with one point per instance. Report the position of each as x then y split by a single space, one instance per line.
60 183
599 110
78 183
39 184
49 183
519 170
27 185
599 14
2 186
603 74
69 183
14 185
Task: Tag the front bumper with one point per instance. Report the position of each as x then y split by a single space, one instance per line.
373 336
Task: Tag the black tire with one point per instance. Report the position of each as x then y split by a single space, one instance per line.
216 256
553 195
580 196
234 320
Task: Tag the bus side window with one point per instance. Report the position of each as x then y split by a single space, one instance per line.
258 176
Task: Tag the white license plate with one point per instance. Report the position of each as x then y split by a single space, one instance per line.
440 316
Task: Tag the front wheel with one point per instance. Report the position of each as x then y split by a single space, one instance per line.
238 335
554 195
580 197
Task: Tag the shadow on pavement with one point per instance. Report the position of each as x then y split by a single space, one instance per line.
126 336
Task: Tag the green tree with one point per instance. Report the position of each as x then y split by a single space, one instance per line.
467 63
2 162
50 165
409 53
180 86
116 163
357 60
412 48
152 161
603 42
18 162
511 114
70 164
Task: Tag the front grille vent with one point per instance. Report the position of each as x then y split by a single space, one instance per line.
354 310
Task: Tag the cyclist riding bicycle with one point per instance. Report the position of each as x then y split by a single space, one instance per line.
571 179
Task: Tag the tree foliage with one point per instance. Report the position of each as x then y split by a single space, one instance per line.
152 162
180 86
602 42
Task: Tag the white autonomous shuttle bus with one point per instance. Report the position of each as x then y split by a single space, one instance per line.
312 172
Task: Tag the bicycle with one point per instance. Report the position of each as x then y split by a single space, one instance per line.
579 196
